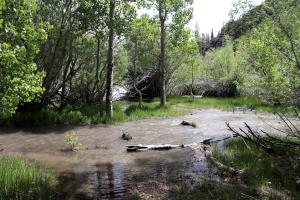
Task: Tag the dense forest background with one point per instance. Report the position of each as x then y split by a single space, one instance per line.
63 54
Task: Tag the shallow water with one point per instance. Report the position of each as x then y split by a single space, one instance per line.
106 171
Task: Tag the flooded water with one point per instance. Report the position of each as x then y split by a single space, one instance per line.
106 171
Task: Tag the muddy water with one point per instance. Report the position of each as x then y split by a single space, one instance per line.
106 171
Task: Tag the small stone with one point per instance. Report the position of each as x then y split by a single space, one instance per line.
126 136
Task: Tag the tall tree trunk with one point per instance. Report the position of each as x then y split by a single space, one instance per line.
135 75
162 18
192 86
110 61
97 63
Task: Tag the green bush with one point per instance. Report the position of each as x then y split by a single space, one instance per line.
73 118
72 140
20 180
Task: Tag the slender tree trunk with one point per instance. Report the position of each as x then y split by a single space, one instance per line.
96 89
192 86
162 17
135 75
110 61
97 63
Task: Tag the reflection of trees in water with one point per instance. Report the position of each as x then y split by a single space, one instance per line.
118 181
108 181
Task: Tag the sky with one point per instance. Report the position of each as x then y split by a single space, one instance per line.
212 14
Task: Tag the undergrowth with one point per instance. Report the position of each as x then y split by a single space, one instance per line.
272 175
95 114
20 179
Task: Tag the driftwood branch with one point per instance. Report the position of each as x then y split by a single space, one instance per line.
161 147
139 148
271 143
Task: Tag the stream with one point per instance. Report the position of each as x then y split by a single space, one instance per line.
104 170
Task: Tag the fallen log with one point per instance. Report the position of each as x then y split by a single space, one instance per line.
138 148
207 141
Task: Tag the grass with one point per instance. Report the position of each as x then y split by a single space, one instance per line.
229 103
95 114
206 190
91 114
20 180
271 175
151 110
194 125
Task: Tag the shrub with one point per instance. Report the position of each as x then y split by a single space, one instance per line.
73 118
72 140
20 179
209 88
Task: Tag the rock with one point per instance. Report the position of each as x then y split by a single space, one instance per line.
126 136
185 123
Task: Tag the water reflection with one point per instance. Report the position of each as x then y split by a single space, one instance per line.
156 172
108 181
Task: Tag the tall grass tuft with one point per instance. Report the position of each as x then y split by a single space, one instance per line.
20 179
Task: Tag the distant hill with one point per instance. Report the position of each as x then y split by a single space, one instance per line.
234 28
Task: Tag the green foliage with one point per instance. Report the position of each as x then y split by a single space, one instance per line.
19 40
262 170
20 179
221 64
271 54
46 117
270 72
90 115
141 45
184 60
71 139
95 114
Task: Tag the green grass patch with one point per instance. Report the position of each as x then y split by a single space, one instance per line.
95 114
262 170
20 179
150 110
227 104
91 114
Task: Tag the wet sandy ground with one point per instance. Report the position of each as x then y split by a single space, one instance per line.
105 170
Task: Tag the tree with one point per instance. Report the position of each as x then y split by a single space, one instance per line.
93 15
110 59
58 56
179 12
20 37
120 15
272 53
142 51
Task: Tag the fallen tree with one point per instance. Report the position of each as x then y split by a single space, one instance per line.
284 141
162 147
139 148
